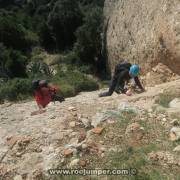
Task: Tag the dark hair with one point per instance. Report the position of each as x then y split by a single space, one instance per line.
35 84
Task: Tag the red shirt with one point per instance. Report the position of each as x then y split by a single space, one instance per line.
43 96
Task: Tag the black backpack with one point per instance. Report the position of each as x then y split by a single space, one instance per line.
122 66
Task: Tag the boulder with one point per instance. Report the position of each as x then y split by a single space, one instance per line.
175 103
175 134
144 32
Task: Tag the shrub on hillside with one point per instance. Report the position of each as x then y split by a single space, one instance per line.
15 35
63 20
16 89
89 42
12 62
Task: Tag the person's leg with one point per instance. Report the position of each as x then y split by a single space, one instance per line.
120 87
111 88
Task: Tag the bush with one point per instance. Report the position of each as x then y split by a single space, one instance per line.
89 41
12 62
16 89
15 35
72 82
64 20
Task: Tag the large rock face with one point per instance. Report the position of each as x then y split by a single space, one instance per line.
143 31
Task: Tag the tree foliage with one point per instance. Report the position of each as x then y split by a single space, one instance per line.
63 21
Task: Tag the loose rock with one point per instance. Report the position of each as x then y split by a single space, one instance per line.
175 134
97 130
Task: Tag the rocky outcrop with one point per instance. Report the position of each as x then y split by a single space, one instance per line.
144 32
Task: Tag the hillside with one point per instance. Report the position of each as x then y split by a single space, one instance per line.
133 132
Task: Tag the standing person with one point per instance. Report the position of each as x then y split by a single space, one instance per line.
122 74
45 93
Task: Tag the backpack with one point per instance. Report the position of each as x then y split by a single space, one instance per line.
122 66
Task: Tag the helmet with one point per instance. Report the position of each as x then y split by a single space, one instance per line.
134 70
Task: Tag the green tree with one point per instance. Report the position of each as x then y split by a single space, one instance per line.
63 21
89 43
14 35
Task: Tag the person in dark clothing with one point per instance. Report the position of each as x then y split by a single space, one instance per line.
122 74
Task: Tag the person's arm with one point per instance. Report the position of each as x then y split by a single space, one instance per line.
120 81
138 83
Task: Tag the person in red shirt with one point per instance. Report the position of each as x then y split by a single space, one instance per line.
45 93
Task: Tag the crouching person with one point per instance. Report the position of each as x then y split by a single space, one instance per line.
45 93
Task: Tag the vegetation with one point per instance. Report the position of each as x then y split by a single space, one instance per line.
72 28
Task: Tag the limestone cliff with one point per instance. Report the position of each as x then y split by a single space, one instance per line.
144 32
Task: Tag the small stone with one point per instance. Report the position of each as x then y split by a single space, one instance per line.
19 154
150 115
101 142
102 155
164 120
150 110
175 134
74 162
82 163
72 124
71 108
84 146
97 130
18 177
110 121
177 149
102 149
68 152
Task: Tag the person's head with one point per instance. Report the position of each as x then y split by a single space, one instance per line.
35 84
134 70
43 83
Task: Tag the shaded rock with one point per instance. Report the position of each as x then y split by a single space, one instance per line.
37 174
175 134
175 122
82 163
81 137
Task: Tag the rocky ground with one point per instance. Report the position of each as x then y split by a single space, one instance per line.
90 132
